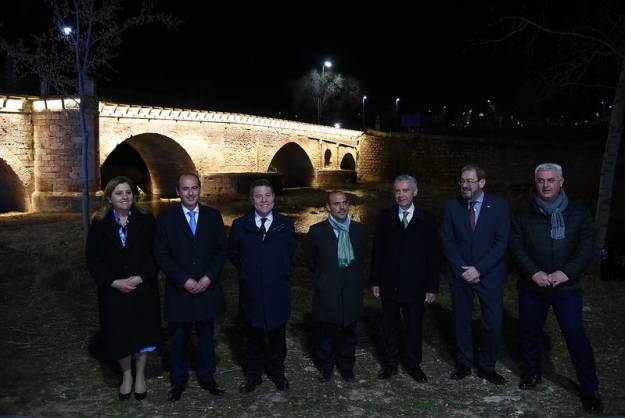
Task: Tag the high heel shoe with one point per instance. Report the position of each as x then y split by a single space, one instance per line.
141 396
124 396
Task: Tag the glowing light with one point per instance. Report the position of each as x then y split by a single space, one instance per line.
67 30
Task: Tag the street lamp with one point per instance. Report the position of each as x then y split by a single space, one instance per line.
326 64
67 30
364 98
397 105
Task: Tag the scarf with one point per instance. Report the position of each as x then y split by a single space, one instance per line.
555 209
344 249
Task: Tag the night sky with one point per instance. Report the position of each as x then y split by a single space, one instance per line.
241 58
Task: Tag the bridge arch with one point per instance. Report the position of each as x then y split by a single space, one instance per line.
348 162
152 160
293 163
13 193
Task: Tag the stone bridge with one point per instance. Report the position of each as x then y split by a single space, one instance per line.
40 150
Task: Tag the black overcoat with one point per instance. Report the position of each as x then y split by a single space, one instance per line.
405 262
182 255
338 291
264 269
129 321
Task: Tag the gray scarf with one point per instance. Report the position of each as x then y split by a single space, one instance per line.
555 209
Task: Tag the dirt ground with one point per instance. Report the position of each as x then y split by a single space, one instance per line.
51 364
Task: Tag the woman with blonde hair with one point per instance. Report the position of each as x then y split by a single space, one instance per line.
120 259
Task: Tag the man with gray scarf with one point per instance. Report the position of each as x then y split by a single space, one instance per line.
552 242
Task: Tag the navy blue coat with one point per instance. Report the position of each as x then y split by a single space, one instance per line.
264 269
182 255
484 248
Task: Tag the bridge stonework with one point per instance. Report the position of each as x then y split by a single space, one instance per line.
40 149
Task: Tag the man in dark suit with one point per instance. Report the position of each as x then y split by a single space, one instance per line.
335 249
475 234
191 250
262 244
404 273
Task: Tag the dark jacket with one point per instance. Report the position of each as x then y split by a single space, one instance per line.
535 250
182 255
405 262
264 269
338 291
485 248
129 321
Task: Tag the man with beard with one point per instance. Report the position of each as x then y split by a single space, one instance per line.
335 250
475 234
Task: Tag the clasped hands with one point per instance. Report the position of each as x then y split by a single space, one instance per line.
128 284
197 286
543 279
470 274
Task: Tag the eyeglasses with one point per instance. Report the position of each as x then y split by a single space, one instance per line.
468 181
551 180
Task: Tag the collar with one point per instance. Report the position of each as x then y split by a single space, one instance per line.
410 210
257 217
186 211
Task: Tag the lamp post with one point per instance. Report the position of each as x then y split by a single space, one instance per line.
322 89
397 105
364 98
326 64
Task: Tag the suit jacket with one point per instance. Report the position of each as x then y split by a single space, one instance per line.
338 291
405 262
264 269
182 255
484 248
129 321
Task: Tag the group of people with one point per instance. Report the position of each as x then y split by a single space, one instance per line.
551 240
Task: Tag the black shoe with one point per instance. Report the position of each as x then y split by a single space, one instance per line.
249 386
124 396
460 373
281 384
491 376
592 402
325 377
387 373
417 374
141 396
212 387
348 376
175 393
530 381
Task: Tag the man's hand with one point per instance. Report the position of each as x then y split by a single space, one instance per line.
135 280
376 291
190 286
541 279
123 285
558 277
430 297
203 284
470 274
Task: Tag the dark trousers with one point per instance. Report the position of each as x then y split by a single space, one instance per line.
533 309
491 306
339 339
179 333
392 313
265 349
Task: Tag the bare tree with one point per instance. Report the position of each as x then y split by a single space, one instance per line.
327 90
79 45
588 54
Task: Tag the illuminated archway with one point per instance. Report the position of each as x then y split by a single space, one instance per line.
293 163
348 162
153 161
12 191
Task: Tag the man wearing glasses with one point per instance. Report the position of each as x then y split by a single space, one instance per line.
475 234
552 241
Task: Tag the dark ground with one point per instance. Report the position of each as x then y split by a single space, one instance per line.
51 365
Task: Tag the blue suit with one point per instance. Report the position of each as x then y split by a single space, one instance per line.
485 249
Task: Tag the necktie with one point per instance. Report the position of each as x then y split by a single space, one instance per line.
262 227
404 219
192 221
472 215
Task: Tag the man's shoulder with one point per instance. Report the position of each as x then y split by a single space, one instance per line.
494 200
208 209
169 213
280 219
